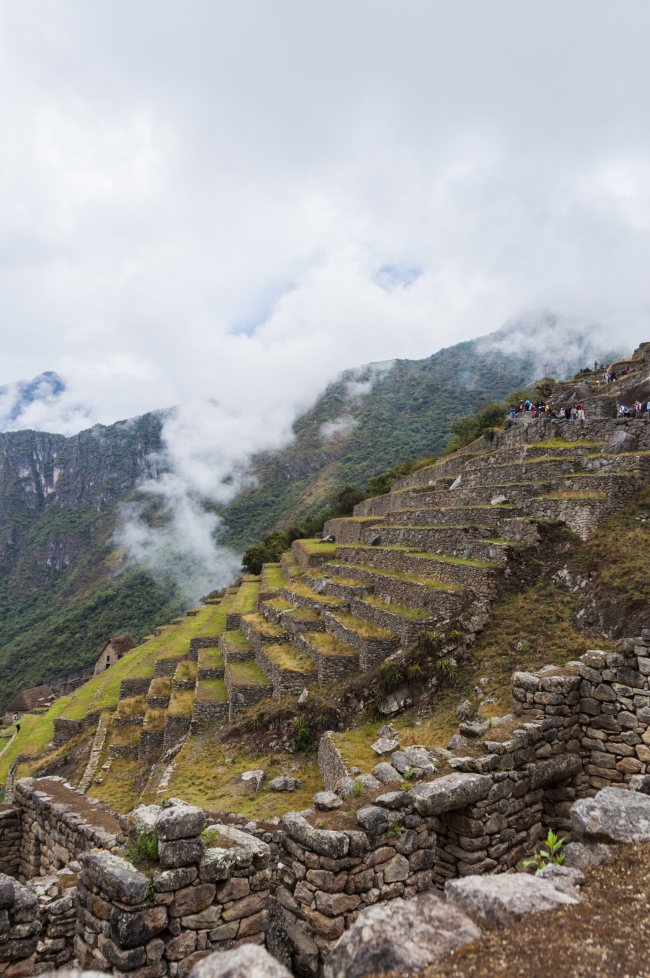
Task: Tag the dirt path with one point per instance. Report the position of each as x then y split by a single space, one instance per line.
607 935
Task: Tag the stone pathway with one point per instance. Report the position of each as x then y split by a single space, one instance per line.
95 753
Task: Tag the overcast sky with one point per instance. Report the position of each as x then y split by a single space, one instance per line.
237 200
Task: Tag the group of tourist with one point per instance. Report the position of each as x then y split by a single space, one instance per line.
546 410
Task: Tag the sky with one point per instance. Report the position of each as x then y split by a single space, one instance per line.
234 202
220 206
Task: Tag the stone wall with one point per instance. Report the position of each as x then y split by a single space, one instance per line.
52 834
65 730
202 897
10 836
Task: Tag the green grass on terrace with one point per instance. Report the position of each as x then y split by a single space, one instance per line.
217 621
247 674
265 629
272 576
155 720
288 659
576 496
314 546
126 736
362 627
278 604
303 614
563 443
294 568
326 644
210 659
397 609
424 555
161 686
135 706
303 591
185 671
181 702
245 600
211 691
237 640
400 576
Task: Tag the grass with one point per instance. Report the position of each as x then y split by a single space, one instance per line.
293 567
237 641
211 691
306 592
288 659
217 621
303 614
202 777
311 547
119 790
245 601
397 609
421 554
400 576
155 720
185 672
247 674
272 577
267 630
278 604
161 686
135 706
210 658
181 703
563 443
326 644
362 627
126 736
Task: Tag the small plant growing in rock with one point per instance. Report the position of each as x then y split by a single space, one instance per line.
144 846
394 830
303 735
549 856
408 775
255 722
357 788
405 787
321 825
447 668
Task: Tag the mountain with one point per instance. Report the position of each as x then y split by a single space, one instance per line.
376 416
65 586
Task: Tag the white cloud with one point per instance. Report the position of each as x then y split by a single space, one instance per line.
238 201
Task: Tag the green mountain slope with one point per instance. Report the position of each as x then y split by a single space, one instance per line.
405 414
64 588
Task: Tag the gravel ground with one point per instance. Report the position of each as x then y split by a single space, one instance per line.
606 935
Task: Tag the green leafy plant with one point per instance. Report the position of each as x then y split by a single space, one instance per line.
304 738
408 775
394 830
549 856
142 846
321 825
405 787
357 788
255 722
66 756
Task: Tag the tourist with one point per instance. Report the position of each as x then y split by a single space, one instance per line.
580 408
512 413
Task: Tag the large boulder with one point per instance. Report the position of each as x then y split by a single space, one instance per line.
117 878
247 961
555 769
614 815
497 899
403 936
449 792
180 822
326 843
